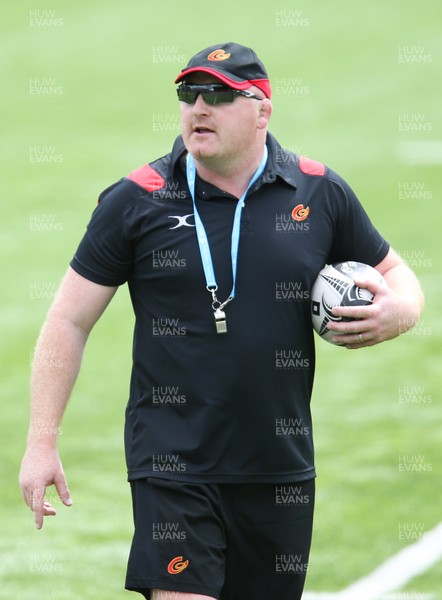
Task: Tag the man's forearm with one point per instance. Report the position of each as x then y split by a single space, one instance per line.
78 305
55 368
403 281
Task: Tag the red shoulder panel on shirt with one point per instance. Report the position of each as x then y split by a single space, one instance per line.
311 167
148 178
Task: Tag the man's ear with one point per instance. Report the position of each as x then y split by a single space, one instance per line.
265 110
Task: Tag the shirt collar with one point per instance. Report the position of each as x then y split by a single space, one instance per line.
280 163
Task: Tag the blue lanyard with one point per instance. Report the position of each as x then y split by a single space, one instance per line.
203 242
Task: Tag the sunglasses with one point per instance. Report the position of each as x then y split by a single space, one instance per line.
212 93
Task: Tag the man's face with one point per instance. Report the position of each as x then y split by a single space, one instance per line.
220 134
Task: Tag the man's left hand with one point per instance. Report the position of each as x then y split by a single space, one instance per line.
382 320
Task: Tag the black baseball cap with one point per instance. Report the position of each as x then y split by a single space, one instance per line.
233 64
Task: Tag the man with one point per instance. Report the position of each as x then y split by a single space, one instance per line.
218 427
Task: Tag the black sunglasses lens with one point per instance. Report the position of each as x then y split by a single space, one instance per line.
186 96
214 97
212 94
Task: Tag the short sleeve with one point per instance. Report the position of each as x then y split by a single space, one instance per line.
355 236
105 254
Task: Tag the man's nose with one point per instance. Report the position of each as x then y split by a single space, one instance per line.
200 106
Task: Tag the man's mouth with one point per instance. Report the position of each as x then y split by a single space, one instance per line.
202 130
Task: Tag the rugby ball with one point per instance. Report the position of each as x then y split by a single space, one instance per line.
335 286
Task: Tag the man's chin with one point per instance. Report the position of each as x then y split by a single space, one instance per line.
202 153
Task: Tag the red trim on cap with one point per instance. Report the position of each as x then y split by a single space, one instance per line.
147 178
311 167
262 84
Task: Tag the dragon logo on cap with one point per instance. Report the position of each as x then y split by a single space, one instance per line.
218 55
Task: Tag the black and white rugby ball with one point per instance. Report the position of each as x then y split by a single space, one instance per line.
335 286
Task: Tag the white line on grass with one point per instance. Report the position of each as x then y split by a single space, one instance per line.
318 596
420 153
394 573
398 596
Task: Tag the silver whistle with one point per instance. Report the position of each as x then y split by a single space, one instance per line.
220 321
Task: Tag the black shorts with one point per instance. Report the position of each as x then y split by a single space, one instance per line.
229 541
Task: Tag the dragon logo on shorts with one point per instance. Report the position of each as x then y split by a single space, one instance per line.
177 565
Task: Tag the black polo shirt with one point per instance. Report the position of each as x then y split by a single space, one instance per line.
206 407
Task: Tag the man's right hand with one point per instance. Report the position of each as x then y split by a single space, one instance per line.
42 468
77 306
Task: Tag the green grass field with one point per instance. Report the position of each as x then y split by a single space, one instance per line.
87 96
